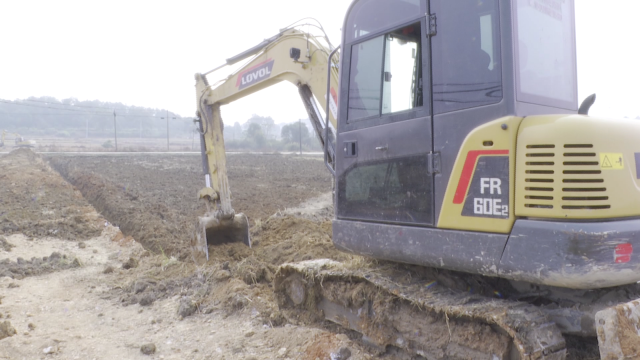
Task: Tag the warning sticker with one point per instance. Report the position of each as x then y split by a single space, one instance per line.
611 161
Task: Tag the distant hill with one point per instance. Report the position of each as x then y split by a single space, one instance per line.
48 116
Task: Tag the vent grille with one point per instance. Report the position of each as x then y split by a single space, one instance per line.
569 173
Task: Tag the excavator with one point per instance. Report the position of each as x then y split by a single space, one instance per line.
500 216
19 140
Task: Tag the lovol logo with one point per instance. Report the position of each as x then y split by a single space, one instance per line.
255 74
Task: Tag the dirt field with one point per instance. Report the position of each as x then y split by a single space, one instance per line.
82 284
95 264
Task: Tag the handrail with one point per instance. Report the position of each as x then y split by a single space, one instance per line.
327 112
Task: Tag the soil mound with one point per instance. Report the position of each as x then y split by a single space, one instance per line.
35 201
21 268
276 241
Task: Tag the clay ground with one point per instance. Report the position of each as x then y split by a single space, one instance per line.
95 261
96 264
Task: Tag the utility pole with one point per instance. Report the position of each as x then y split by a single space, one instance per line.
115 129
168 128
300 131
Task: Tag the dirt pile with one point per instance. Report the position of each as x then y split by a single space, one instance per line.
35 201
21 268
237 278
278 240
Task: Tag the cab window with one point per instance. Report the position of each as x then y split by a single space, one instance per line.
546 54
371 16
385 74
466 55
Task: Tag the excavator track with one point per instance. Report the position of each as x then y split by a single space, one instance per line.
390 307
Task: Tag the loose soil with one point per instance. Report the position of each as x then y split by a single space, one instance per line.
153 197
123 293
35 201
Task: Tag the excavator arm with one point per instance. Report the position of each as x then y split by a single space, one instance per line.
293 56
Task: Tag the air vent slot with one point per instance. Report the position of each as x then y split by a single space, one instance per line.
578 146
541 146
540 180
581 163
582 172
586 207
583 189
585 198
585 154
539 172
541 163
541 155
539 206
539 188
536 197
583 180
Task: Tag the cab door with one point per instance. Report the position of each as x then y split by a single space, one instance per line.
384 158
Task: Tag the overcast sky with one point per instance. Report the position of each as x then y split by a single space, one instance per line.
145 53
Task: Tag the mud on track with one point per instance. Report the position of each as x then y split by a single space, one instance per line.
153 197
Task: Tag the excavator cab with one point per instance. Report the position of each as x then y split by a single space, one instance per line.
429 113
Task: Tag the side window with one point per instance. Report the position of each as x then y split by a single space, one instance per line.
371 16
396 191
546 58
364 78
386 74
466 55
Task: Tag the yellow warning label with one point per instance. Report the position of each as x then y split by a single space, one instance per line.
611 161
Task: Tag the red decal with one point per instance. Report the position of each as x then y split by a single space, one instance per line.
334 95
249 69
467 171
623 252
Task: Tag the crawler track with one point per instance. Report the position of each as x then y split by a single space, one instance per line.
390 308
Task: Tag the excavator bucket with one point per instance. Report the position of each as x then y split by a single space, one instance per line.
211 230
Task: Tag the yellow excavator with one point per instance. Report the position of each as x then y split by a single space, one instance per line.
19 140
457 146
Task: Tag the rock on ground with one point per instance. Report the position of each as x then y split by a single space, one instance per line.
148 349
6 330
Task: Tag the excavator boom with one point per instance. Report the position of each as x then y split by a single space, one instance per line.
292 55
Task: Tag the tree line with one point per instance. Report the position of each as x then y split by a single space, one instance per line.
261 133
47 116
